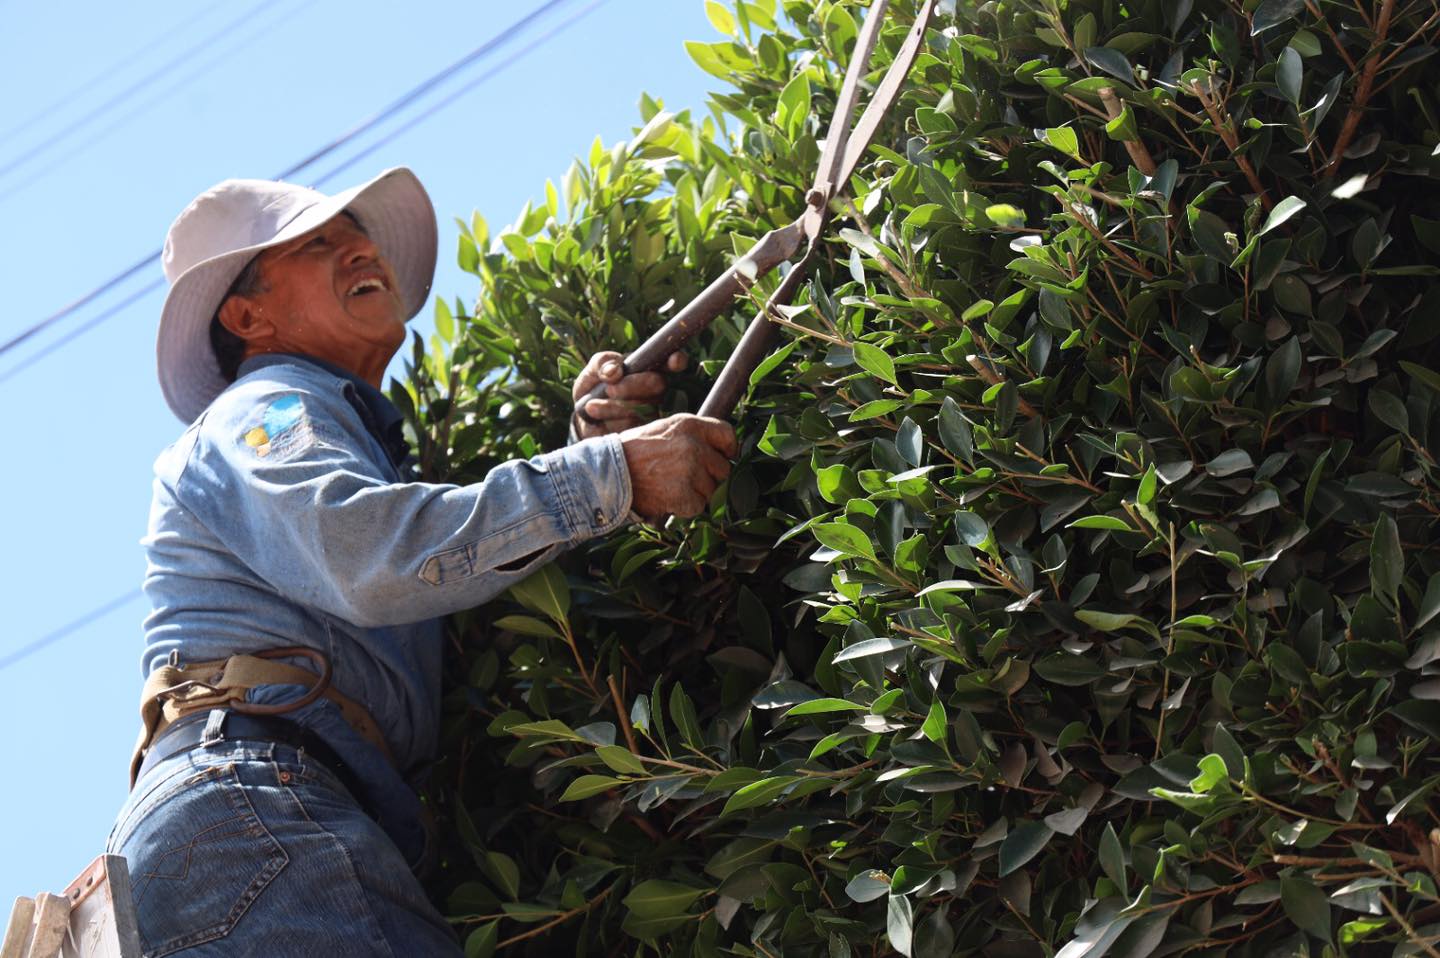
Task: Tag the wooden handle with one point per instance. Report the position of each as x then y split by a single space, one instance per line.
770 251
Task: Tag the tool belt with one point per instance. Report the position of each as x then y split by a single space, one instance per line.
174 690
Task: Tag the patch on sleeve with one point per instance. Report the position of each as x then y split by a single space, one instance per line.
283 428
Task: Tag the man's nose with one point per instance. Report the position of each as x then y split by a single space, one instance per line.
360 248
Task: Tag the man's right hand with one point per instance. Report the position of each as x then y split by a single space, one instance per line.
675 463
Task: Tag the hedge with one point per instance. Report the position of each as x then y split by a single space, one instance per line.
1073 593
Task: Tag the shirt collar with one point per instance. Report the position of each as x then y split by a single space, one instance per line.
386 422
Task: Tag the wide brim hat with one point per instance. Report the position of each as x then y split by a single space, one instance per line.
222 229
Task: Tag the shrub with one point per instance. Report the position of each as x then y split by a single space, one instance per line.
1073 590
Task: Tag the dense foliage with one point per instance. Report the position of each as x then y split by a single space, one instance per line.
1074 589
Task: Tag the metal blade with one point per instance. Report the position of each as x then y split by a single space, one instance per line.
830 159
859 140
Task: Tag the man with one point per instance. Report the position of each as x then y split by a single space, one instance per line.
296 574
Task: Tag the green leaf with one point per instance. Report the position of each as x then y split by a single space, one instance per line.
818 706
1112 857
868 886
1289 73
1212 772
868 647
504 872
900 923
1111 621
588 785
1005 216
720 18
1063 138
1390 409
1306 906
707 59
1272 13
1429 603
545 591
1423 374
874 360
1102 522
935 723
759 793
1387 559
793 106
1112 62
1210 233
844 538
1122 128
1024 842
1062 668
648 929
1282 212
481 942
658 898
527 625
620 759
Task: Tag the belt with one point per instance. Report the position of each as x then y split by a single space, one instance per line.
229 726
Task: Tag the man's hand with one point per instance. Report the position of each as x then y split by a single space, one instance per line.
676 463
619 410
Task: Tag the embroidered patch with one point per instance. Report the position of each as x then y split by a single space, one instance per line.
282 426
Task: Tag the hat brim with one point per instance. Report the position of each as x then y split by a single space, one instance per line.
396 213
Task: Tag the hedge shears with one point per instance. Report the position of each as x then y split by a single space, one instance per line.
843 149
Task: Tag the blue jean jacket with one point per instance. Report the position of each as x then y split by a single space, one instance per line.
280 518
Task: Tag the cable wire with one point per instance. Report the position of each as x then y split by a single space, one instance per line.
467 88
103 75
123 120
364 126
139 84
68 629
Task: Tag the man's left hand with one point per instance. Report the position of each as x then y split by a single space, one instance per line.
625 395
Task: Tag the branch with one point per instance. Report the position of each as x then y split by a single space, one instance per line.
1363 93
558 920
1139 155
1226 129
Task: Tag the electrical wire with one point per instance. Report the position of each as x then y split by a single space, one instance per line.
467 88
99 612
123 120
105 74
139 84
364 126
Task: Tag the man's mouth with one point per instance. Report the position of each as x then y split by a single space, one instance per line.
366 286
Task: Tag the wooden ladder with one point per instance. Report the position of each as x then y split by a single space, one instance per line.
93 918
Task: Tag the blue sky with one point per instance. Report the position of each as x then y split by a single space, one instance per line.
112 116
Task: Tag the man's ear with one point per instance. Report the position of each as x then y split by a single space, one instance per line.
243 317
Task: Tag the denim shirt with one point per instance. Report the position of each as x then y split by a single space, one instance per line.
281 518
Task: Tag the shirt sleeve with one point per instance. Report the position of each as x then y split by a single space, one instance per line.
287 478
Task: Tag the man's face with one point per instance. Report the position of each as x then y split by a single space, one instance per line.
331 290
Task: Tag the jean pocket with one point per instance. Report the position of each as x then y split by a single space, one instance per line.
198 859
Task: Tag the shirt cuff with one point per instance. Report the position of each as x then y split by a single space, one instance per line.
593 483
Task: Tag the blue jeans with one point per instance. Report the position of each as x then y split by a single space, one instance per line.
253 848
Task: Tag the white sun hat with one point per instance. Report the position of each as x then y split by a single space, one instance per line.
222 229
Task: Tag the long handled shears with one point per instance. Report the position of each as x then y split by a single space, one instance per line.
843 149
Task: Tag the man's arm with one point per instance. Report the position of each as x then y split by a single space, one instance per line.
310 511
313 515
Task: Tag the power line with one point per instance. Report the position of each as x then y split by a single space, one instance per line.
467 88
139 84
123 119
369 123
68 629
100 77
